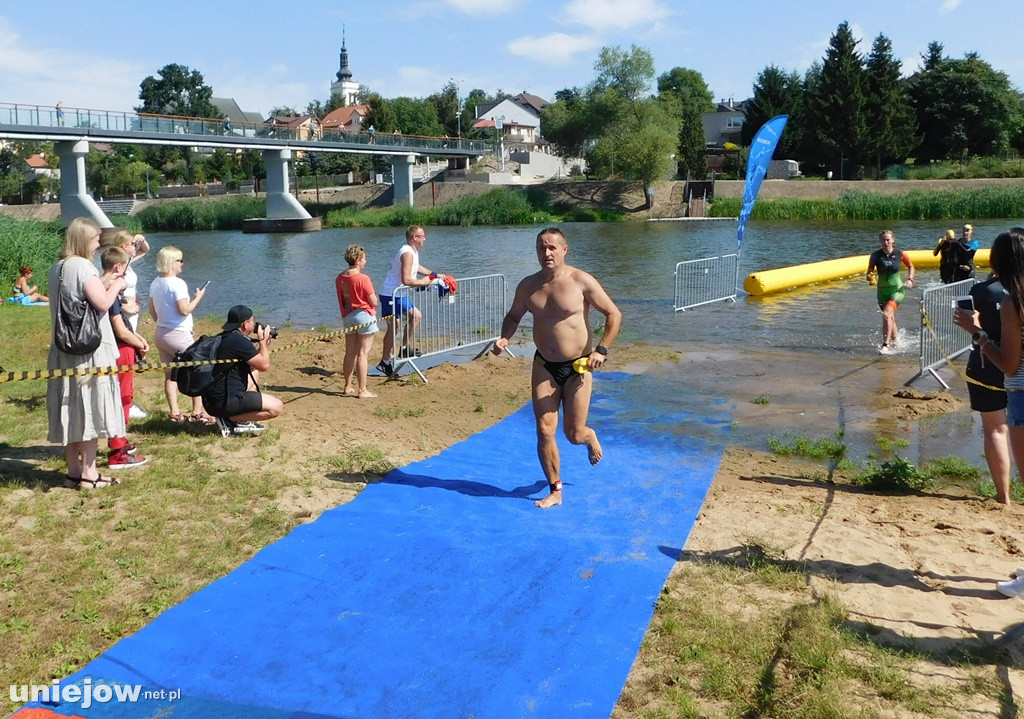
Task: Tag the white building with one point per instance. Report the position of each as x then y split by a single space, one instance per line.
344 85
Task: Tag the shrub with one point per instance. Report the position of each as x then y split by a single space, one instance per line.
896 475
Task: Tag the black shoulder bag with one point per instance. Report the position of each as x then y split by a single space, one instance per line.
77 331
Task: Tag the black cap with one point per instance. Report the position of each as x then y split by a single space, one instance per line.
236 316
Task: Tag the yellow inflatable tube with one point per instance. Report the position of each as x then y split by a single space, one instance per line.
784 278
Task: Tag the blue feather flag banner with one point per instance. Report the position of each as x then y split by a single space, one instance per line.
761 151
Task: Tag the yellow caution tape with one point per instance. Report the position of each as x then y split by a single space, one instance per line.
949 360
149 366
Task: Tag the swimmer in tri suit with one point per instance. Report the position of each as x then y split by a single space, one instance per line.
885 265
560 297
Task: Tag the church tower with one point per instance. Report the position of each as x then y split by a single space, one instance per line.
344 85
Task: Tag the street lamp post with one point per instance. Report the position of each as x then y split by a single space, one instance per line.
148 195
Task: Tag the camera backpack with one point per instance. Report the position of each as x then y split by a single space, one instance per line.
195 380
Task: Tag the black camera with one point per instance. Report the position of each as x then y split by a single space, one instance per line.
272 330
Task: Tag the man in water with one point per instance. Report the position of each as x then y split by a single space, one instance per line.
560 297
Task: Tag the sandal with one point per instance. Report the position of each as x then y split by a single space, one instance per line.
178 417
201 417
98 483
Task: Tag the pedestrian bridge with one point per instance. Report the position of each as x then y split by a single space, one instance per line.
72 129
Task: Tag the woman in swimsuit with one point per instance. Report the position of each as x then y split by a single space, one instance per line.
884 268
25 294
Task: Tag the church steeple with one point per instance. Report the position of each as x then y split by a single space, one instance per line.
344 73
343 84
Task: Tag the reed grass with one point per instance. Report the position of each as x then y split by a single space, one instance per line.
27 242
979 203
202 215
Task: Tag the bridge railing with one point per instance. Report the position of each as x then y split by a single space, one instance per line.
115 121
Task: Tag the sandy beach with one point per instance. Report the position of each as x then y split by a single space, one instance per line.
918 569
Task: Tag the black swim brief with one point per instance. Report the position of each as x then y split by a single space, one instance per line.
561 372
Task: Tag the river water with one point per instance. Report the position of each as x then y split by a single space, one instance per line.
289 280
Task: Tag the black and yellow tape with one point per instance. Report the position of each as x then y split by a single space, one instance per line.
150 366
949 360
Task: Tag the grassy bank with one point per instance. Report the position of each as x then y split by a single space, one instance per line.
502 206
976 203
30 243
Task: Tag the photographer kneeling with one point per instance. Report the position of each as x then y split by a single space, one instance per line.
234 397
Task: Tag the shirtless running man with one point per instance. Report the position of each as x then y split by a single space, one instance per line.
560 297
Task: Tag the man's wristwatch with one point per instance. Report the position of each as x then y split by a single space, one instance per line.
601 350
979 338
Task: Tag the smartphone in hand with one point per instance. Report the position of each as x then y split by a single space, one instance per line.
205 284
965 303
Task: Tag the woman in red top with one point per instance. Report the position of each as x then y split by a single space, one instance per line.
358 303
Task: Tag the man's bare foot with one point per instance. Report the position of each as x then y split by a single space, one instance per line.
349 390
366 394
595 450
551 500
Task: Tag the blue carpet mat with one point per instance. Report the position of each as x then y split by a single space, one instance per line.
440 591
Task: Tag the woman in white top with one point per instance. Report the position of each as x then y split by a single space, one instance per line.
171 309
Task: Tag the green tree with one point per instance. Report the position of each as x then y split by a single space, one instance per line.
891 123
840 111
282 111
802 128
686 97
933 56
964 108
776 92
688 86
182 92
381 115
178 91
637 133
446 109
415 117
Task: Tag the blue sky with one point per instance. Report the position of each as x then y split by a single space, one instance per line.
94 53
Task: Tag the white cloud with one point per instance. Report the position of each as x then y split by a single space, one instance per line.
478 8
554 49
32 73
948 6
615 14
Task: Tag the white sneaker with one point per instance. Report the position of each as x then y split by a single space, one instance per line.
1012 588
1017 573
225 426
248 428
885 350
136 412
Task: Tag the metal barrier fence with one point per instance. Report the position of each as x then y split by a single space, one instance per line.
711 279
469 317
940 338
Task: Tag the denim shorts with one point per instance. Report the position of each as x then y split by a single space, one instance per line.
360 317
1015 408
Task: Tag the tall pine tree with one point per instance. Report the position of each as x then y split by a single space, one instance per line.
891 122
776 92
841 122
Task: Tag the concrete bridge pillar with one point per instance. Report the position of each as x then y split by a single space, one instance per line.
281 204
75 200
401 172
284 213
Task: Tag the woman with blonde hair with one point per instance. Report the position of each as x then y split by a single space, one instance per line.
171 309
81 409
358 304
